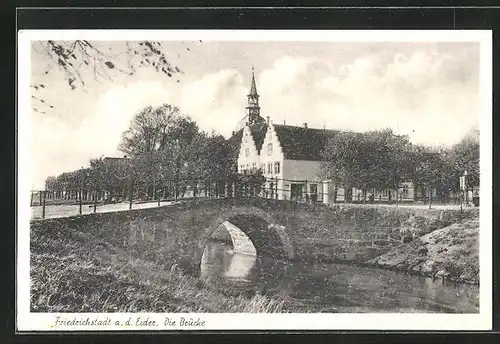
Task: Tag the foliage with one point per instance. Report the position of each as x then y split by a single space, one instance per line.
165 145
251 181
382 160
376 159
80 58
69 180
464 156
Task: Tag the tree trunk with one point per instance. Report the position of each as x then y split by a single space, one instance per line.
430 197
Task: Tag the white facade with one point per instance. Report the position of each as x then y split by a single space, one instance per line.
284 177
301 179
248 157
271 163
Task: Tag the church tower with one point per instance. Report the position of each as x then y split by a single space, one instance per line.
253 108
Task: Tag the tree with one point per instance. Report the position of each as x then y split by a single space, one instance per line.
428 169
340 161
465 156
51 183
164 146
389 159
77 59
150 130
371 160
110 174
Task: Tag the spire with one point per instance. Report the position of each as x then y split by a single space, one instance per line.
253 108
253 87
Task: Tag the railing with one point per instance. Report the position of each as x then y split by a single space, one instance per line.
56 203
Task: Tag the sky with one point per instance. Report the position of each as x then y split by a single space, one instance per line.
429 91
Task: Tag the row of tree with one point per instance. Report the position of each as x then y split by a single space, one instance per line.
167 152
382 160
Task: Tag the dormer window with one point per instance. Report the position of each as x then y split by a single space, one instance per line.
269 149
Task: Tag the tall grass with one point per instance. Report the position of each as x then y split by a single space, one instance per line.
74 272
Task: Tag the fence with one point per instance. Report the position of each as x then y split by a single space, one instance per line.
55 203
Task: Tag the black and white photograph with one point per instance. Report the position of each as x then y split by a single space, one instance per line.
218 179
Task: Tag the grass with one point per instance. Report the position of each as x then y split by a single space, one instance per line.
452 251
75 272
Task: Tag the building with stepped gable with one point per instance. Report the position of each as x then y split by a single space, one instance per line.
290 159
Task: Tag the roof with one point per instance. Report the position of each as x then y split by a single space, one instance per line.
112 158
258 131
253 87
299 143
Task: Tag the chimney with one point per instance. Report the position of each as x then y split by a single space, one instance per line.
305 125
267 120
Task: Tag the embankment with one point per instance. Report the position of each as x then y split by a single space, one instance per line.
451 252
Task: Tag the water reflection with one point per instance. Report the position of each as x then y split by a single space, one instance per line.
324 287
219 260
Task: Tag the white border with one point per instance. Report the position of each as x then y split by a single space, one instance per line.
27 321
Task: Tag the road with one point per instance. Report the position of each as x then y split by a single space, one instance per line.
54 211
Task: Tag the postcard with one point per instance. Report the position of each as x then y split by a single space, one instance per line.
254 180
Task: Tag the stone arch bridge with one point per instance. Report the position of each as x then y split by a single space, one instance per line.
176 234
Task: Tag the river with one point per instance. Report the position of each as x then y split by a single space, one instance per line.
328 287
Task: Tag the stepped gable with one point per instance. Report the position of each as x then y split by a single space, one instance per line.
300 143
258 131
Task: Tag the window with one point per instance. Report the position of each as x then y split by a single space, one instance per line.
247 152
254 166
241 168
270 168
385 193
405 190
276 167
269 148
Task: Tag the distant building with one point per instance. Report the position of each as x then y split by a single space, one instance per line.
290 159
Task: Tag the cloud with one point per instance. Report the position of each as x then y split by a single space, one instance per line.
62 146
429 91
216 101
418 93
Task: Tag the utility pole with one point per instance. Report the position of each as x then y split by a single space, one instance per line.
80 193
43 204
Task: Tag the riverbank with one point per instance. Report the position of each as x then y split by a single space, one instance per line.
450 253
72 271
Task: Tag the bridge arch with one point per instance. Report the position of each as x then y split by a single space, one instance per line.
269 238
